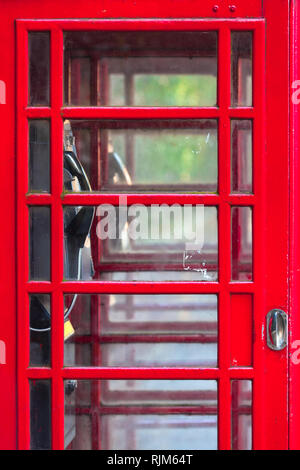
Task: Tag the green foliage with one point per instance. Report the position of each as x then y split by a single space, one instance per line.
169 156
175 90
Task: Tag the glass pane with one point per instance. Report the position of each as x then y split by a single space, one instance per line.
241 68
141 415
40 330
40 414
142 330
241 244
81 78
117 89
39 243
39 66
131 68
39 156
241 156
151 243
130 156
241 414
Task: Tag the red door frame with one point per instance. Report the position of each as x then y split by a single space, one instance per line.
277 82
294 272
224 200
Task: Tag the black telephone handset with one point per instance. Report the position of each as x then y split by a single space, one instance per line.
77 224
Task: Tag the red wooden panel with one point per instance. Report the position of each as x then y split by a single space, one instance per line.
241 326
132 9
7 238
294 299
224 398
275 276
57 239
22 251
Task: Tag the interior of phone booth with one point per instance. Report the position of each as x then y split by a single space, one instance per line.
129 155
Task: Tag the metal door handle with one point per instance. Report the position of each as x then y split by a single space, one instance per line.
277 329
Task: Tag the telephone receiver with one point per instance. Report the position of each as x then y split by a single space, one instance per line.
77 225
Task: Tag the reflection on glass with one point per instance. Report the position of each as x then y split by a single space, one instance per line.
141 415
39 66
241 244
130 68
117 89
129 156
39 243
241 68
40 330
241 156
40 414
39 155
152 243
81 78
142 330
241 414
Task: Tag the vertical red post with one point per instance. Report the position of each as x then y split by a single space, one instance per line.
224 416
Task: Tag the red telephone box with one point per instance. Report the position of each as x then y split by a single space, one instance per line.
114 335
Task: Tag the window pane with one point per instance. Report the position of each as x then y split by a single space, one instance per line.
130 156
141 415
241 414
241 244
141 243
39 156
131 68
39 243
40 330
40 414
81 78
117 89
39 66
241 156
241 68
142 330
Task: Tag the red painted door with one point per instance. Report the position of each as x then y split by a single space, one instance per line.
152 226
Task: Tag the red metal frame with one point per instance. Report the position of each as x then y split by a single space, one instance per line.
270 217
223 374
294 378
